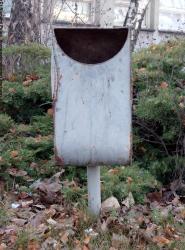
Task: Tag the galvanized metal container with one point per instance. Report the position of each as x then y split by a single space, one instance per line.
92 96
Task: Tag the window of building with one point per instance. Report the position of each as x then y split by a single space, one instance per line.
73 11
172 15
7 7
120 11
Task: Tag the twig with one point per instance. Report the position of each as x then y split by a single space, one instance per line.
155 135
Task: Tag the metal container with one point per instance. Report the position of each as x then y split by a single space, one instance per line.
92 96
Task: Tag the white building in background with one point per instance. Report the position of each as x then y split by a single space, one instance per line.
164 19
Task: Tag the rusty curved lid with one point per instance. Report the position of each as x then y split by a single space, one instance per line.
91 45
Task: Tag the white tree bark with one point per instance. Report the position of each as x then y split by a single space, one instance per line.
134 18
47 15
104 13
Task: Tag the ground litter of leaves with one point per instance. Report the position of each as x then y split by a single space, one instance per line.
41 219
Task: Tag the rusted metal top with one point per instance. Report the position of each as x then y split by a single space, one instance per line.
91 45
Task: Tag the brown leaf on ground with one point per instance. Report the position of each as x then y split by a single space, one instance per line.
27 83
142 70
129 180
65 238
50 112
3 246
25 213
34 165
169 232
33 245
23 195
13 130
11 78
104 227
14 153
114 171
164 85
27 203
155 196
38 220
87 240
161 240
16 172
49 190
12 90
150 232
182 214
119 240
32 77
19 222
85 248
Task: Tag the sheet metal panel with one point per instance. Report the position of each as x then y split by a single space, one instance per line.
92 108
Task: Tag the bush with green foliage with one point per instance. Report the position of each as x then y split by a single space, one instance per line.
123 180
159 105
22 99
32 143
159 121
6 123
20 60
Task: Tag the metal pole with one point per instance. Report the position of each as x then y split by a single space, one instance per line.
94 189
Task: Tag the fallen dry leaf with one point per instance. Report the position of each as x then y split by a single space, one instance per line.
12 90
164 85
87 240
50 221
182 105
182 214
114 171
16 172
12 78
65 238
3 246
37 220
27 83
142 70
14 153
85 248
49 190
26 204
23 195
50 112
32 77
169 231
129 180
119 240
161 240
155 196
104 226
19 222
150 232
34 165
33 245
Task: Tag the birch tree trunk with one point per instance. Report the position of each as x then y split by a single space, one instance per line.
47 20
24 22
104 13
134 18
